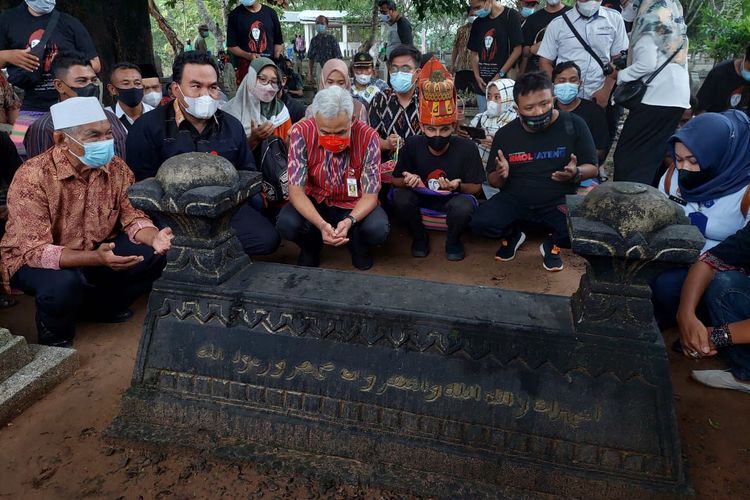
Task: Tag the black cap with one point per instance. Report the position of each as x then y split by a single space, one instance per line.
362 59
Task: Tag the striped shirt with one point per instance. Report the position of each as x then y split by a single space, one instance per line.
324 174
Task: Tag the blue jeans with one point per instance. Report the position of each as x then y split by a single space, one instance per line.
481 102
728 301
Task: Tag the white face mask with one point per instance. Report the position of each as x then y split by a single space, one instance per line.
203 107
493 109
553 2
588 9
362 79
152 98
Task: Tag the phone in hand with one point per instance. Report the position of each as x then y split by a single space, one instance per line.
476 133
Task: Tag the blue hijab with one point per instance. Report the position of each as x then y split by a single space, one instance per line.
720 143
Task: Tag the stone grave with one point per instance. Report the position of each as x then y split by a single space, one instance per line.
28 372
431 388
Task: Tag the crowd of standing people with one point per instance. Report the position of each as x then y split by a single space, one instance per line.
551 85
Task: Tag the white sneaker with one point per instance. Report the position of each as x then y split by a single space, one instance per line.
721 379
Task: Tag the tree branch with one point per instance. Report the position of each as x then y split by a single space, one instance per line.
164 26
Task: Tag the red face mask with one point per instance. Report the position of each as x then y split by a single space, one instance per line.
334 143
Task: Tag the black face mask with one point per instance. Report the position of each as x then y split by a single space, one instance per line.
90 90
692 180
538 122
130 97
438 142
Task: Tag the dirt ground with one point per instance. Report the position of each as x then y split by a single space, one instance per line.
55 449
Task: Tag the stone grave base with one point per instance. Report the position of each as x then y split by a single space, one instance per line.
27 372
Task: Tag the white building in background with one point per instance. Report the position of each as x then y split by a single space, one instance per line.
338 26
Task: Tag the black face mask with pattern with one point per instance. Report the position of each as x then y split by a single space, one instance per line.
90 90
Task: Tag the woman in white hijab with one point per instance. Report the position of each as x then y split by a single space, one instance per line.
500 112
257 106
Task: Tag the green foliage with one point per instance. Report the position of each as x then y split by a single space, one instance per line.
722 37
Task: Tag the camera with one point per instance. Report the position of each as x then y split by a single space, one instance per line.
621 61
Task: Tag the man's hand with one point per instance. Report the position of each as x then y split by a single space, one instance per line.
22 58
694 337
331 237
501 165
568 173
447 185
394 141
601 96
411 180
162 241
343 227
108 258
482 85
535 48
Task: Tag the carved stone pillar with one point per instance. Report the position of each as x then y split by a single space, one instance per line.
198 203
628 233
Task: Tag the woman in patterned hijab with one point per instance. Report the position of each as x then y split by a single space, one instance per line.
658 49
500 112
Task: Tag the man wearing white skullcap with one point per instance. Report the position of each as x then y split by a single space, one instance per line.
73 240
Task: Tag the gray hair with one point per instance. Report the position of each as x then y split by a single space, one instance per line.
333 101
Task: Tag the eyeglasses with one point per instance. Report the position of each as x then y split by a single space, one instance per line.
265 81
402 69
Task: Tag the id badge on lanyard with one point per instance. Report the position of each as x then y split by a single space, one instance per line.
351 184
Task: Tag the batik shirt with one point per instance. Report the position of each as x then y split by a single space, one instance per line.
324 175
388 117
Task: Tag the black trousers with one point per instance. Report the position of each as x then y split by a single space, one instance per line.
370 231
643 142
407 202
502 215
64 295
255 232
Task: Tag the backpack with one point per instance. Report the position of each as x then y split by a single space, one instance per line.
273 166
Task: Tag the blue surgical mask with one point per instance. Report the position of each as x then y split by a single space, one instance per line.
320 28
401 82
743 72
482 12
96 154
527 11
248 3
384 18
41 6
566 92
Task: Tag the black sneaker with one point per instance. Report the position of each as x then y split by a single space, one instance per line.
552 261
508 247
420 246
362 259
308 259
454 251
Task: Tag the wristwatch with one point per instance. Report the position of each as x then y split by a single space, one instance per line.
721 336
577 177
501 74
351 218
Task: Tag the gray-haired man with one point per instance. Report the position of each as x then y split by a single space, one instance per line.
334 180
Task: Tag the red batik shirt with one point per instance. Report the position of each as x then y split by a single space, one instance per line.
324 174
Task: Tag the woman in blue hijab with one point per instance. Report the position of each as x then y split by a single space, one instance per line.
709 179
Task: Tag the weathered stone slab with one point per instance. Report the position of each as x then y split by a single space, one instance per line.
438 389
43 369
14 354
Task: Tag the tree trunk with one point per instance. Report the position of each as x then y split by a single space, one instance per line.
120 28
212 26
177 45
374 23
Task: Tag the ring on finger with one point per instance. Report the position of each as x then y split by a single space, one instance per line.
695 355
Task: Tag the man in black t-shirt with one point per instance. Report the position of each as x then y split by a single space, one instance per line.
253 30
437 171
567 79
21 30
727 86
495 42
533 31
540 157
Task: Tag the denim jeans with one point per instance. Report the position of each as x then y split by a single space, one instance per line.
728 301
481 102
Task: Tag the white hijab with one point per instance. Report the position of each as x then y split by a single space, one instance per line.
246 107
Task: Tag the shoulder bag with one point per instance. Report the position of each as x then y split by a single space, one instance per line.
29 79
630 94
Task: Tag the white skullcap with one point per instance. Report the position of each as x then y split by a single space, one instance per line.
76 111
